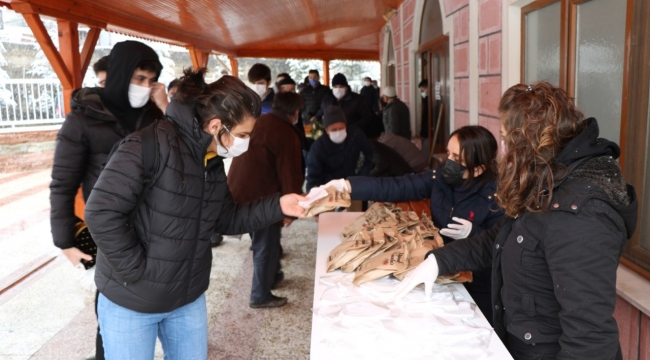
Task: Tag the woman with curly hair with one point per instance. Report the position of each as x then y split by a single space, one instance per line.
569 213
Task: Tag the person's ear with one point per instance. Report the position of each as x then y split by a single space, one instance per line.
479 170
214 126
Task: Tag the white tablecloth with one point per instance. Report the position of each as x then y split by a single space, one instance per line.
372 337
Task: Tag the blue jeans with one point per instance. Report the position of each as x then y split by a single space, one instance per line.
129 334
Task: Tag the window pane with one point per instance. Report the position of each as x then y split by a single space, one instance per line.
543 45
599 68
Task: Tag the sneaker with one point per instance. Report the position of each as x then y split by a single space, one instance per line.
274 301
279 276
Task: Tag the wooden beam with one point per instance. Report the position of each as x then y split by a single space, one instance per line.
198 56
216 57
234 66
51 53
315 29
326 72
94 15
309 54
69 51
89 48
31 8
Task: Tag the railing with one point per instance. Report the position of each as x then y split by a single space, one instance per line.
30 103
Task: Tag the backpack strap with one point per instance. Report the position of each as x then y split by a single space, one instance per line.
150 162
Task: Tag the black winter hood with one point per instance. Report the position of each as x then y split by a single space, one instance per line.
123 60
89 99
588 144
594 160
185 119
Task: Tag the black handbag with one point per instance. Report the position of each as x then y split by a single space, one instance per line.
84 242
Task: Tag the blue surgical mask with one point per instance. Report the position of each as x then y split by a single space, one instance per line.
313 82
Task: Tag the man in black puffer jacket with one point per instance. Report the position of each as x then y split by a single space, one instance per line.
357 112
99 119
153 267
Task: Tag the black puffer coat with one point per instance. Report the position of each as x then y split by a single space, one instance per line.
554 272
163 260
82 146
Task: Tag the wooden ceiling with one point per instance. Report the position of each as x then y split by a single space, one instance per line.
320 29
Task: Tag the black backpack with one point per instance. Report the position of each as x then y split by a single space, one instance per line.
151 162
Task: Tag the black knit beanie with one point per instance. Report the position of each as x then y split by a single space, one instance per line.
332 115
339 79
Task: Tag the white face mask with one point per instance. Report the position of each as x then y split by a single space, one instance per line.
238 147
367 83
338 93
424 94
260 89
338 137
138 95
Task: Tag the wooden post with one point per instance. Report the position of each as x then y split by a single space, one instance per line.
234 66
199 57
326 72
88 49
69 50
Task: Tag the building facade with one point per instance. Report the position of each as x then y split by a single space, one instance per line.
471 51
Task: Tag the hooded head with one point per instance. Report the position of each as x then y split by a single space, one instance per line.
125 58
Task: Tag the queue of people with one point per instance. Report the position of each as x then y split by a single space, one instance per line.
540 217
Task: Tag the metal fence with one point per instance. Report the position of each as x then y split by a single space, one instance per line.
30 103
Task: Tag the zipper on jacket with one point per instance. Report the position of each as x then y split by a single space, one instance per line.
451 212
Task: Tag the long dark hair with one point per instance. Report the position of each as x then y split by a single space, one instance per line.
539 121
478 148
228 99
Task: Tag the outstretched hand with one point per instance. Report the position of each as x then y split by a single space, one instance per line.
340 185
290 207
426 272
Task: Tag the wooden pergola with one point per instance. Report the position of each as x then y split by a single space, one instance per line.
307 29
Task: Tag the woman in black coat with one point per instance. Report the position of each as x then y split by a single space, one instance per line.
462 193
153 270
554 257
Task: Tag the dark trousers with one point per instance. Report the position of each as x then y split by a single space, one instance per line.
266 261
99 344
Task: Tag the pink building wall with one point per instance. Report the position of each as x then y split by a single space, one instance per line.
634 325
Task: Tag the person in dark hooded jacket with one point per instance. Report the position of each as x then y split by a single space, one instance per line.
357 112
554 257
462 194
338 152
153 268
99 119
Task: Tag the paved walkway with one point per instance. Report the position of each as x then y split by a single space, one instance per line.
46 314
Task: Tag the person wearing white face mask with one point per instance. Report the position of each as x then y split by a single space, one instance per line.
338 154
259 76
273 164
357 111
153 267
100 118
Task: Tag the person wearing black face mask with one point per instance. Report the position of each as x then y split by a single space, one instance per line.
462 192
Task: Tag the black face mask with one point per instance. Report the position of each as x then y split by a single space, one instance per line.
452 173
